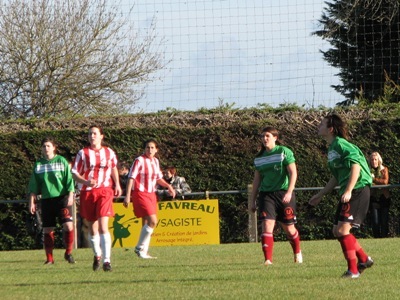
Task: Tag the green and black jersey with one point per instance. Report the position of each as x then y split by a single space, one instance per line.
272 168
51 178
341 155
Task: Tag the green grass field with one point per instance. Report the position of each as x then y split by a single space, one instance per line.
229 271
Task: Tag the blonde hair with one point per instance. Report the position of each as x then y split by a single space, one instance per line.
380 162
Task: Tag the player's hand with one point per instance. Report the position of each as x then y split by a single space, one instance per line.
32 208
287 197
171 191
117 191
126 201
70 200
91 182
345 197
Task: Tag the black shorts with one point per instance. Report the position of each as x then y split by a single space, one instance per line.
53 208
271 207
354 211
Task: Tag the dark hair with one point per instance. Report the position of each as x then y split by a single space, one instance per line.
101 132
338 125
274 132
98 127
150 141
52 140
123 164
172 170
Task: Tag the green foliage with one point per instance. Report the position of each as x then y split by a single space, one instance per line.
14 232
216 155
390 95
365 45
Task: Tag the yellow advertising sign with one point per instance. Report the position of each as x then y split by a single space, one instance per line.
181 222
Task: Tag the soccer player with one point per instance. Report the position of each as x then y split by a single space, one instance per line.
144 175
351 172
52 179
274 181
95 168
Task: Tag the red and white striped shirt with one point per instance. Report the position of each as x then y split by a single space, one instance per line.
145 172
95 164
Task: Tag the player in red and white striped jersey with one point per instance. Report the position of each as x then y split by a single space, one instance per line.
144 176
95 168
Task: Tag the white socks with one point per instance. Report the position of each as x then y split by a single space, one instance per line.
101 245
95 243
144 238
105 244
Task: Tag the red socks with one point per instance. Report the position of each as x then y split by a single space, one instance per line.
361 255
267 243
294 241
49 245
68 241
348 243
68 237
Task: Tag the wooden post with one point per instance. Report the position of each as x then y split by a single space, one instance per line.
253 238
74 224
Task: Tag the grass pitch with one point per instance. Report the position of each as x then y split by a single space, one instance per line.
229 271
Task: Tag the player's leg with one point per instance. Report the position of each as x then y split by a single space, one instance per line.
65 215
142 247
267 240
293 237
49 222
104 212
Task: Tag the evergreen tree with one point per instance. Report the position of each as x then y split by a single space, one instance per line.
365 39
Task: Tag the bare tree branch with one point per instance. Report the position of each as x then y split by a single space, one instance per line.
62 58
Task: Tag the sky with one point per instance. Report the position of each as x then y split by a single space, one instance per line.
238 53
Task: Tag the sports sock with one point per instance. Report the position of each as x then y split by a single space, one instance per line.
294 241
49 245
267 244
68 241
105 244
95 243
148 239
144 238
348 243
361 255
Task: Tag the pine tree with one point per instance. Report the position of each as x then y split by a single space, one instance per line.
365 40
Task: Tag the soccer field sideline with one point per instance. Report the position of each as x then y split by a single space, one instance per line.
226 271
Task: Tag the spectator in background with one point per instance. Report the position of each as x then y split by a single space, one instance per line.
123 171
144 176
95 168
380 197
178 183
52 179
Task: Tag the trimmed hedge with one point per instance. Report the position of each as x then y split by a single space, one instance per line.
213 150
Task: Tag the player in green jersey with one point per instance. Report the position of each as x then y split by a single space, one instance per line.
350 171
52 179
274 181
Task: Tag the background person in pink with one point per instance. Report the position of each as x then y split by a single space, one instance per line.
144 175
95 168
